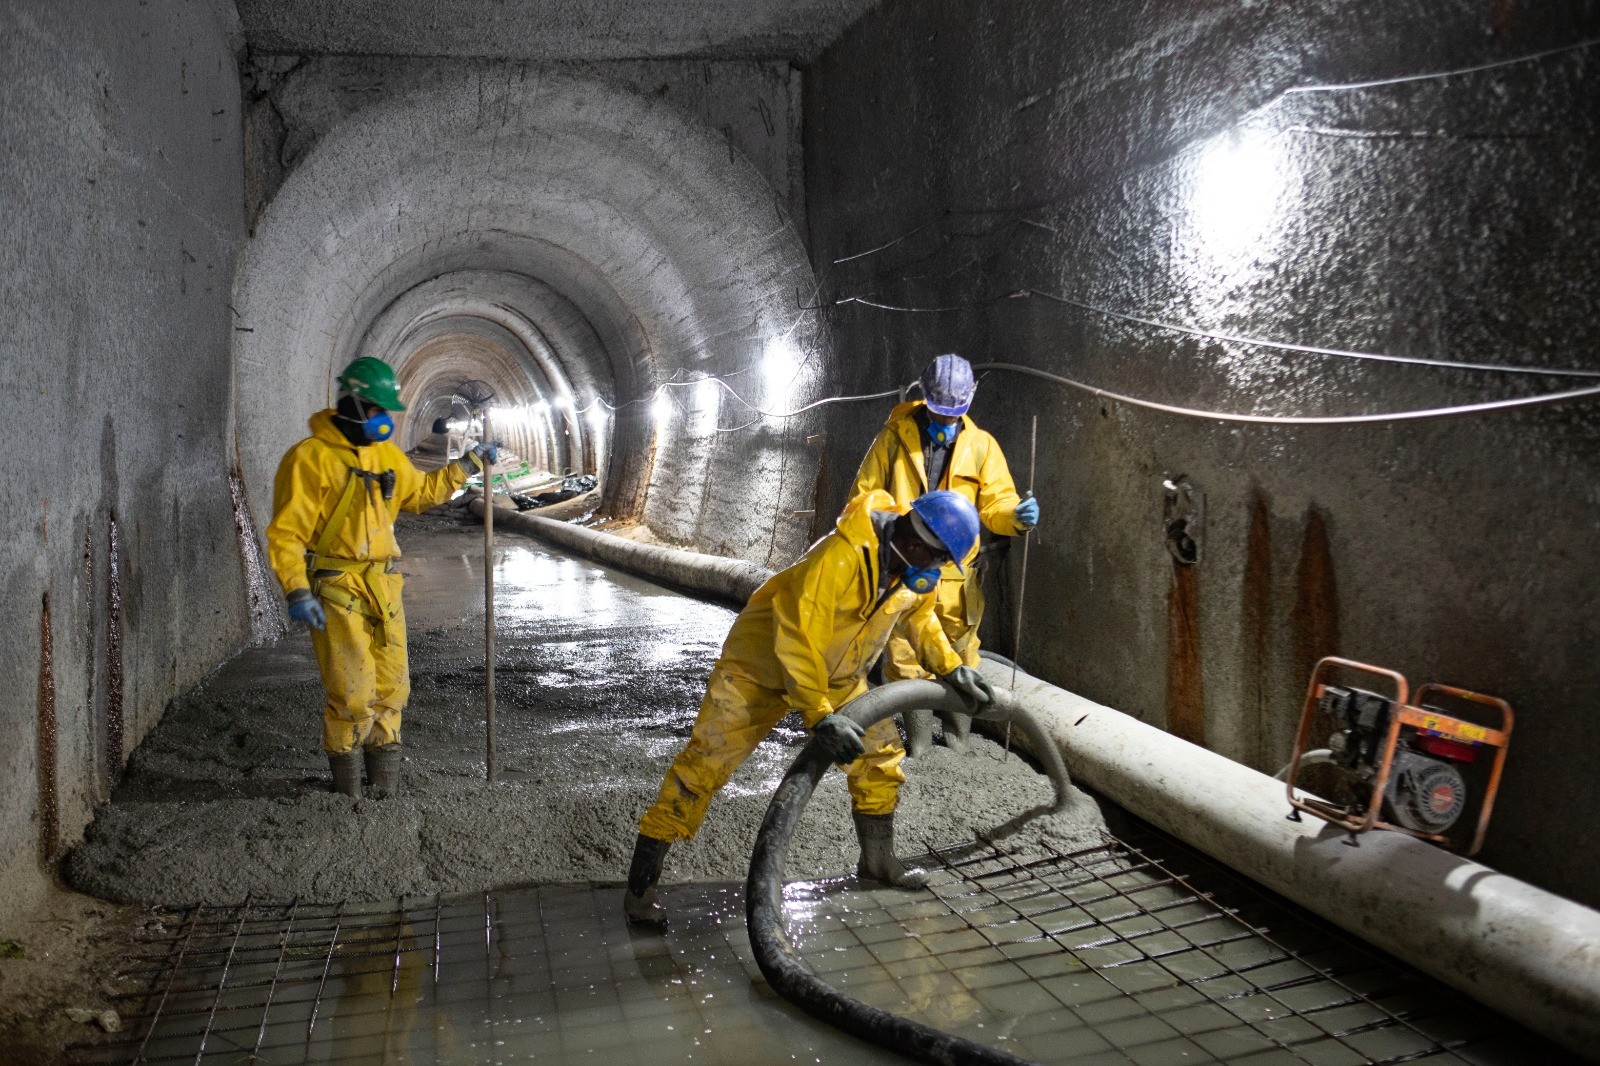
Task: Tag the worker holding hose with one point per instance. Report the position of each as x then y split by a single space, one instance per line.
804 643
332 545
931 444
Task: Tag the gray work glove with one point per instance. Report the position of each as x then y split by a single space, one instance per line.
973 686
840 739
480 456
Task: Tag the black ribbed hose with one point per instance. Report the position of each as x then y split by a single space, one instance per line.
782 966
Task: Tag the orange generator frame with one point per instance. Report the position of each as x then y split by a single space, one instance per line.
1419 729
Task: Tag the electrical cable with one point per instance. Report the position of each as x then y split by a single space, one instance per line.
1235 338
1417 414
1329 87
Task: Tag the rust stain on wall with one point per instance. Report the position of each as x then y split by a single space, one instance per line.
1186 700
49 804
114 674
1314 618
1255 626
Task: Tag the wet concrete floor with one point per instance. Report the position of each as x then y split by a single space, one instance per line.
430 929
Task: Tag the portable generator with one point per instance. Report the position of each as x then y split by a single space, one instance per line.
1408 763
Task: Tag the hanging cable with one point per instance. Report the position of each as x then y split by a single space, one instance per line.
1403 79
1234 338
1302 420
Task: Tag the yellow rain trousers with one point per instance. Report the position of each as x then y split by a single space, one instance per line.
333 532
977 470
803 643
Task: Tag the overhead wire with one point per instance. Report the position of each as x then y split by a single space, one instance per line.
1416 414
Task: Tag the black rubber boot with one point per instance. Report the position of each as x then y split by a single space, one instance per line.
383 770
878 860
346 772
639 901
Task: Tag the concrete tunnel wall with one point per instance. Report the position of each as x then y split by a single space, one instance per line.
120 171
631 238
1157 160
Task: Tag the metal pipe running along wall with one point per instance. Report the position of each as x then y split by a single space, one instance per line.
782 965
1528 953
732 580
1523 951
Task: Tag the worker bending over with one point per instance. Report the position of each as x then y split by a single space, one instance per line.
332 545
804 643
933 444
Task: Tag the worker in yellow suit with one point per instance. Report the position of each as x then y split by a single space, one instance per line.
934 444
804 643
332 545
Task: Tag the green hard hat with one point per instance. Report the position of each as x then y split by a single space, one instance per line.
373 381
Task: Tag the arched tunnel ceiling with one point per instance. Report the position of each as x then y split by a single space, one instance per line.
550 29
620 233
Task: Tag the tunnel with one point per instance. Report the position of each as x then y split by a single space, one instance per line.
1285 316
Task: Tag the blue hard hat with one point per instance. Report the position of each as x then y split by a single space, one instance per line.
948 385
951 518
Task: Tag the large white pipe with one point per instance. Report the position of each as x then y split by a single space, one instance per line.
1523 951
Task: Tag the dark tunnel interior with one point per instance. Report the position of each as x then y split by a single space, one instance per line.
1287 314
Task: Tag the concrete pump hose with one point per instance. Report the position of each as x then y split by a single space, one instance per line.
780 963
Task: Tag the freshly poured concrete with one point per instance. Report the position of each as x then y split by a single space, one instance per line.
598 679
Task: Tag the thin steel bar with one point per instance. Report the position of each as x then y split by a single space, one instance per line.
221 983
1178 978
438 945
1367 1000
394 982
316 1003
155 1018
1267 991
283 951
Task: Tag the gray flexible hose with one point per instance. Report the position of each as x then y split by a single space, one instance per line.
781 964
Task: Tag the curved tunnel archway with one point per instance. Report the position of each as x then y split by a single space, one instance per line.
571 242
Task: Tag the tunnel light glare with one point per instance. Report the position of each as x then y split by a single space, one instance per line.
707 404
541 408
597 417
661 407
1238 181
780 364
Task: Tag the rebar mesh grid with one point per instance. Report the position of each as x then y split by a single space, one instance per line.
1138 950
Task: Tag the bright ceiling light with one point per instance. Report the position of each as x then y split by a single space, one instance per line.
661 408
1238 180
780 364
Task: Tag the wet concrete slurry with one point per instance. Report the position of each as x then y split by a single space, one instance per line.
598 677
416 930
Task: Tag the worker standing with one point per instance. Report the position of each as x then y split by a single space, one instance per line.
804 643
933 444
332 545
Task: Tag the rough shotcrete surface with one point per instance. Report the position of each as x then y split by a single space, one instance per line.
598 678
1247 169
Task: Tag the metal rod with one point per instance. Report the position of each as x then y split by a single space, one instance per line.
327 964
1022 580
488 604
277 972
222 982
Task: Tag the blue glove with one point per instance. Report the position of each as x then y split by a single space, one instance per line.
973 686
480 456
840 739
1027 512
303 607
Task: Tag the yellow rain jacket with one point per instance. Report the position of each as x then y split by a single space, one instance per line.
803 643
977 470
333 532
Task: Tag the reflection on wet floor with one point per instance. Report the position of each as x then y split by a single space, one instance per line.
547 973
1139 951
